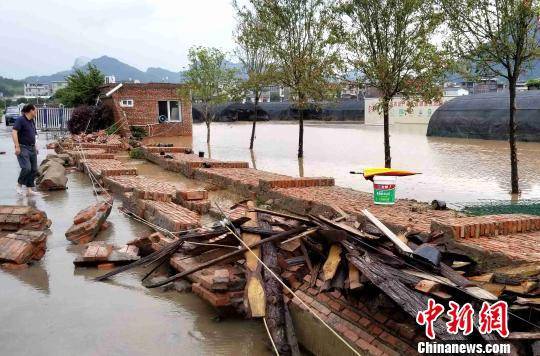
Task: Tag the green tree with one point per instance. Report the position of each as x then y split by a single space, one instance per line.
390 44
497 37
254 56
298 35
210 81
83 87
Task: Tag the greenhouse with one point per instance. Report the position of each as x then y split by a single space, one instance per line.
485 116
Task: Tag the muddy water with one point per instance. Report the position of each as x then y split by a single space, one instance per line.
53 309
455 170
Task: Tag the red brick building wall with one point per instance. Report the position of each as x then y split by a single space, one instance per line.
144 112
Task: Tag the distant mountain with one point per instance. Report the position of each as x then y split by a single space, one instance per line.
112 66
9 87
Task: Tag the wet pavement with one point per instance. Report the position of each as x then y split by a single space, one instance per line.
53 309
455 170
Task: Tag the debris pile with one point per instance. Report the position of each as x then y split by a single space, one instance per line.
105 256
110 143
88 222
337 269
52 172
22 235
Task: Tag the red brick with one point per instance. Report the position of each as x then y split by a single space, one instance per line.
321 308
335 305
351 315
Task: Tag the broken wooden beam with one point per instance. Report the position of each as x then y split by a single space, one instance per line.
393 237
255 299
276 237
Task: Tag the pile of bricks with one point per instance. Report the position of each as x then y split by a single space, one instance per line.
88 222
106 256
22 236
194 199
22 247
15 217
167 215
106 167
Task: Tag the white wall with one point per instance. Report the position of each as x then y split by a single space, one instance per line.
420 114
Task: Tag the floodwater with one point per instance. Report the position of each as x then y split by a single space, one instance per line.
53 309
454 170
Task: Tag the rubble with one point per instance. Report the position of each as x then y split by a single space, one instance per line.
52 173
105 256
361 271
22 235
88 222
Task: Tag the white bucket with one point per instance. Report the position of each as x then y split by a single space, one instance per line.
384 190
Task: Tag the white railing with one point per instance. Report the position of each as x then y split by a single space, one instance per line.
53 118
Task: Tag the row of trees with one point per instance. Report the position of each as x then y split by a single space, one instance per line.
398 47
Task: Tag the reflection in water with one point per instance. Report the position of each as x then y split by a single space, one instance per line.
300 166
35 276
209 150
253 163
455 170
120 318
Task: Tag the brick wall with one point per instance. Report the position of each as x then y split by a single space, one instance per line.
145 107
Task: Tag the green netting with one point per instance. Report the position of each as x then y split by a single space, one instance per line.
490 207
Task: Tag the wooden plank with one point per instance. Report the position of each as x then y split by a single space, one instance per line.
400 244
427 286
332 262
384 278
524 288
351 230
528 301
254 291
354 277
485 278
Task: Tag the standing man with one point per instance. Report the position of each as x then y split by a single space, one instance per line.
24 137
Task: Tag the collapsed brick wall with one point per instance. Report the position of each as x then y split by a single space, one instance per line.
145 108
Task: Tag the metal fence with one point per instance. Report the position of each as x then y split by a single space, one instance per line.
52 118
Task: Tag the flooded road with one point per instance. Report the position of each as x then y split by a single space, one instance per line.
53 309
455 170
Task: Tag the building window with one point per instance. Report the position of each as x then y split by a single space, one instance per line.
170 109
126 103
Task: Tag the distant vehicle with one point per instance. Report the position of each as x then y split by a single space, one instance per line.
12 113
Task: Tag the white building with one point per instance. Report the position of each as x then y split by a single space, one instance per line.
36 90
110 79
399 114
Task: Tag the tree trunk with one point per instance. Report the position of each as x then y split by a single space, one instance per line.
386 118
207 120
254 121
512 138
275 306
301 134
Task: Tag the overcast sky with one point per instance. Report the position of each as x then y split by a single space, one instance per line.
39 37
